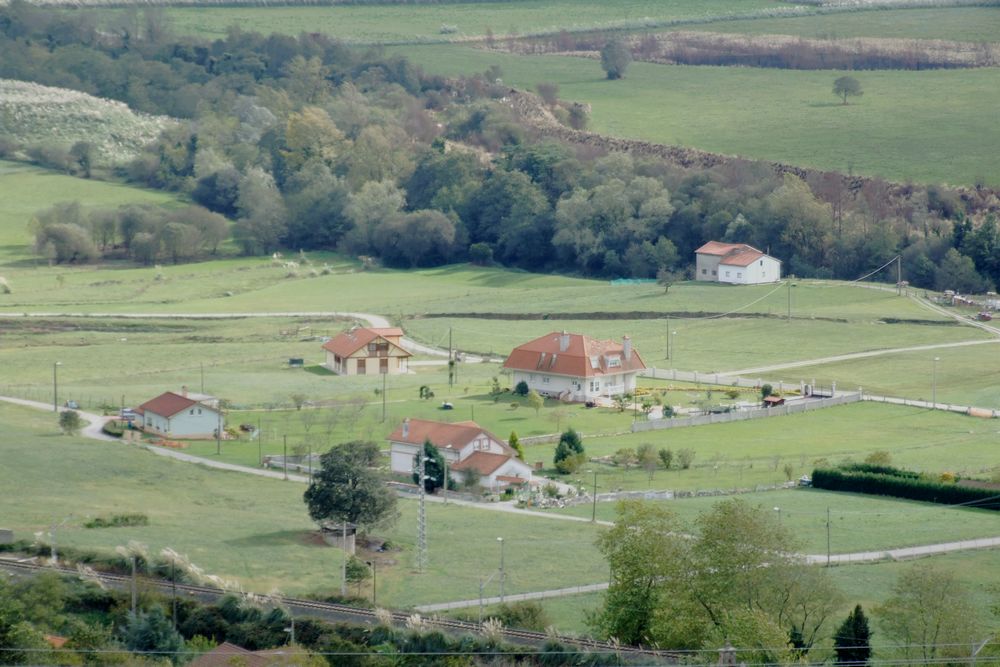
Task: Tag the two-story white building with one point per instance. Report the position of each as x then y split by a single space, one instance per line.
183 415
467 448
574 367
364 351
736 263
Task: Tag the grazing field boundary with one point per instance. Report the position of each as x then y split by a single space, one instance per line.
743 415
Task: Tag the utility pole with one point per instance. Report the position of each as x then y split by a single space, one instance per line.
451 361
668 336
383 396
343 565
260 444
134 592
202 364
593 514
284 454
789 301
218 432
422 514
173 585
55 386
828 537
899 275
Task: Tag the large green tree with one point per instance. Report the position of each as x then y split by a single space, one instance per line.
348 488
847 86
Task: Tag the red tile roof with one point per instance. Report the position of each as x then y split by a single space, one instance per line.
731 254
441 434
347 343
167 404
583 357
228 655
484 463
56 641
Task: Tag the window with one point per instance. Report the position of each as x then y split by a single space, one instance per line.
614 362
199 411
727 274
762 262
191 412
545 379
383 365
714 272
704 271
361 367
739 274
595 385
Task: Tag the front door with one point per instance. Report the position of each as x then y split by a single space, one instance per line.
383 365
361 367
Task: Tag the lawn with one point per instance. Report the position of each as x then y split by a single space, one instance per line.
781 115
256 530
397 23
963 24
742 455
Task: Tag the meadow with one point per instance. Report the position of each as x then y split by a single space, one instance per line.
780 115
389 23
960 24
256 530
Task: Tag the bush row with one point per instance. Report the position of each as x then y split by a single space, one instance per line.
857 480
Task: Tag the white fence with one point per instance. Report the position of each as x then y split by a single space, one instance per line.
794 407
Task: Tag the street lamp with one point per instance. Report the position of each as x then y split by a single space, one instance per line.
55 386
502 573
778 510
934 382
670 344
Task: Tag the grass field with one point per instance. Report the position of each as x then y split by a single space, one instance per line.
746 454
781 115
962 24
857 522
391 23
256 530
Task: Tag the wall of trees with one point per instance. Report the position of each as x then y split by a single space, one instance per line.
304 143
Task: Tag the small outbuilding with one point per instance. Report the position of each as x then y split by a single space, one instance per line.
183 415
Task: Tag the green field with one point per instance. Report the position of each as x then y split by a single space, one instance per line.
857 522
781 115
403 23
256 530
961 24
742 455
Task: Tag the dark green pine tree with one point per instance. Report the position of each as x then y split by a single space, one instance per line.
852 642
433 468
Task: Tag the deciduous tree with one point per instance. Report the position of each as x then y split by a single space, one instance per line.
615 58
348 488
847 86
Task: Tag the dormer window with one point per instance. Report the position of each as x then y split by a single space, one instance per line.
614 362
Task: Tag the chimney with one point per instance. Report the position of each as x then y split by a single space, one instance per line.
627 347
184 391
563 341
406 428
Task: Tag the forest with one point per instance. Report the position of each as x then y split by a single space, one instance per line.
306 144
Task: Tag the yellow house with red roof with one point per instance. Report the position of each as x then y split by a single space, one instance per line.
367 351
575 367
467 448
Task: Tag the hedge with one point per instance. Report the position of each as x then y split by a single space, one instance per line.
914 488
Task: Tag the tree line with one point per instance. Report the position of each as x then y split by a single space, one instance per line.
304 143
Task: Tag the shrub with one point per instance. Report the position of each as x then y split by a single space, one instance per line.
70 422
523 615
733 394
685 457
666 458
521 389
879 458
766 390
885 481
569 454
113 428
118 521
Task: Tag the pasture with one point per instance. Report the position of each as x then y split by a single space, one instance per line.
409 23
256 531
780 115
742 455
960 24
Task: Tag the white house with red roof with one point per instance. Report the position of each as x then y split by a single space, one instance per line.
365 351
736 263
466 447
181 415
574 367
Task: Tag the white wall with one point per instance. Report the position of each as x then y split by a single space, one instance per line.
201 424
706 267
763 270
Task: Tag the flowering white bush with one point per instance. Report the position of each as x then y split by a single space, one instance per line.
35 114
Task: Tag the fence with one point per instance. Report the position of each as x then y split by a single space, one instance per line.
804 388
803 405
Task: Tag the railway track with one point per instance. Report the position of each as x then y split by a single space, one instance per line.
343 612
